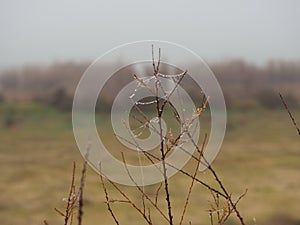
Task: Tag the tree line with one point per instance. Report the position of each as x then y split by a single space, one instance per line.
242 83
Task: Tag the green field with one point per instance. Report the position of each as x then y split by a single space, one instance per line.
260 153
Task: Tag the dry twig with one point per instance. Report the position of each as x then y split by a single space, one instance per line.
108 201
290 114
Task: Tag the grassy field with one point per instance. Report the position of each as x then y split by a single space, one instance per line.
260 152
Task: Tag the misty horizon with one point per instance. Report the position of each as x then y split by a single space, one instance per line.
35 32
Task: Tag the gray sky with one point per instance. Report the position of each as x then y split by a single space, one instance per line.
36 31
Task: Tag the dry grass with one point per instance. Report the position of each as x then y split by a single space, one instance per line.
260 152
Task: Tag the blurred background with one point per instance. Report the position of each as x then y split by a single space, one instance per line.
251 46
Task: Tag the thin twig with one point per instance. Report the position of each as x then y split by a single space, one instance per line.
211 218
290 114
143 83
172 91
148 155
141 190
143 202
193 181
81 187
67 215
59 212
129 201
149 215
228 197
145 117
159 59
159 114
107 201
157 193
153 63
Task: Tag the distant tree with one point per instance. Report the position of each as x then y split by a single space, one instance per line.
9 118
268 98
61 100
2 99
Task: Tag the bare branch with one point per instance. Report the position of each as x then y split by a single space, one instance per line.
193 181
157 193
131 202
72 187
228 197
290 114
153 63
159 59
159 114
108 201
81 187
141 190
150 156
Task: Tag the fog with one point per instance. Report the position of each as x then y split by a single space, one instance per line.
34 32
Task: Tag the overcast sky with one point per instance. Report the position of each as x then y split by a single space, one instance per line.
36 31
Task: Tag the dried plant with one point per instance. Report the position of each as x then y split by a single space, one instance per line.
74 201
222 205
71 201
167 144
